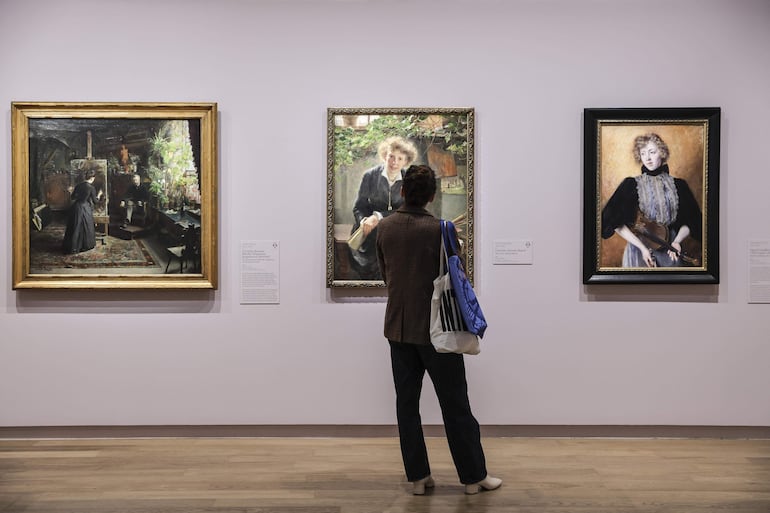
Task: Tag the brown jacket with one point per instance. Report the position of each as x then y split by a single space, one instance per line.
408 245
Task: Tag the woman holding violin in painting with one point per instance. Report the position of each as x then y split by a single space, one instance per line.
654 212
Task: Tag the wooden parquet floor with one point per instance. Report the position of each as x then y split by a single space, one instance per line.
364 475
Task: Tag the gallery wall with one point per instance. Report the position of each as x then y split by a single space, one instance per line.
557 352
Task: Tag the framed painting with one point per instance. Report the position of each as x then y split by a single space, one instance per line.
651 195
114 195
361 144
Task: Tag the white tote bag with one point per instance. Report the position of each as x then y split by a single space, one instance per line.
448 332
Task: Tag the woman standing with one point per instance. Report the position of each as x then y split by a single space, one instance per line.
80 234
652 207
408 248
379 196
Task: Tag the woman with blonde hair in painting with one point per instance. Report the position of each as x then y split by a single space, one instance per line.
379 195
653 211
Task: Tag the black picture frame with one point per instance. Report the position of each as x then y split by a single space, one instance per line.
691 141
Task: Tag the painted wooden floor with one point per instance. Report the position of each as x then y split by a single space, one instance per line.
364 475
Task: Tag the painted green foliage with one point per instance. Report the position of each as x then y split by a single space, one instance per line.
171 163
352 144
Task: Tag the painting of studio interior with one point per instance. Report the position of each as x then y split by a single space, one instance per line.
114 196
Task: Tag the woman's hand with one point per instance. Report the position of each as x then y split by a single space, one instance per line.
625 232
683 232
369 224
675 254
647 256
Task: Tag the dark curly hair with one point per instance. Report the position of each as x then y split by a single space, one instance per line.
419 185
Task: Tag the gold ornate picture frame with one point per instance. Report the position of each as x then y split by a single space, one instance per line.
357 141
114 195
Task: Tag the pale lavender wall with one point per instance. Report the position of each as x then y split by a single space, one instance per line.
556 352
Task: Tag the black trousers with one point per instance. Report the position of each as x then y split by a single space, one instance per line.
447 372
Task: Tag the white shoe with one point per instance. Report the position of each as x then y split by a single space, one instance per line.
488 483
418 487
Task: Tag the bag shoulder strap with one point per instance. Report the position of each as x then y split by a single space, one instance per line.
449 236
443 258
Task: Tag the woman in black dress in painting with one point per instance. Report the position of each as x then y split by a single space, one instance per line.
653 209
379 196
81 233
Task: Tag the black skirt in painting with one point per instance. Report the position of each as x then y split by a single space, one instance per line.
81 233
